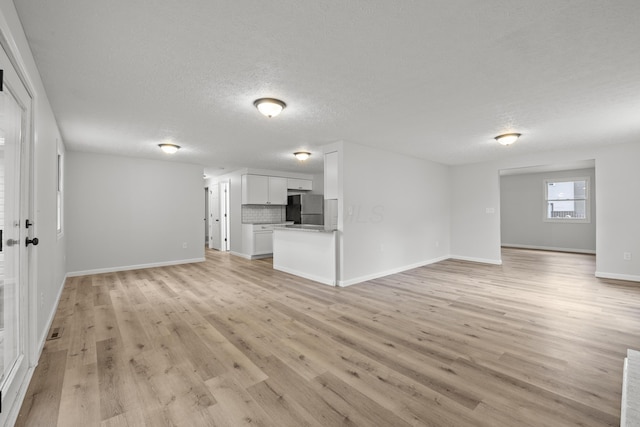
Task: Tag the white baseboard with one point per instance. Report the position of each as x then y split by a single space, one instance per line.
241 255
480 260
343 283
14 411
323 280
52 315
616 276
549 248
12 416
245 256
133 267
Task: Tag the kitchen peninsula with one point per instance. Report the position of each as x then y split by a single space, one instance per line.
307 251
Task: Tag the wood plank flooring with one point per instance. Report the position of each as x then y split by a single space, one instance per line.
537 341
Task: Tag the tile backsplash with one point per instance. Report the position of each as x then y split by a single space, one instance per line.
262 214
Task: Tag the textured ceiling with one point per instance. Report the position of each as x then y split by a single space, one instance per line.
433 79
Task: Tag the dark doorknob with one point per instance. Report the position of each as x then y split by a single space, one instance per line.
33 241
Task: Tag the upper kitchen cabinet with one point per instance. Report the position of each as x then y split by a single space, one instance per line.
331 175
264 190
299 184
277 190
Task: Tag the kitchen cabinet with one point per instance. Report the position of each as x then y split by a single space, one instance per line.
264 190
262 242
257 240
331 175
277 191
299 184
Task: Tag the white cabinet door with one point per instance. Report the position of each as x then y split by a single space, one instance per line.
255 190
262 242
264 190
277 191
299 184
331 175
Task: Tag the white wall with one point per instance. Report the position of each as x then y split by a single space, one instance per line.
48 256
395 213
522 209
475 213
618 206
125 212
476 234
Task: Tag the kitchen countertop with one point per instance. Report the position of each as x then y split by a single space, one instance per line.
268 223
306 227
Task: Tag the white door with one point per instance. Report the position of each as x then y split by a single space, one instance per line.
214 219
206 216
225 237
15 190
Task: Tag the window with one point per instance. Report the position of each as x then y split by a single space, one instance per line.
59 200
567 200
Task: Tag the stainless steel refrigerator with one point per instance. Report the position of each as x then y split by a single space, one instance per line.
305 209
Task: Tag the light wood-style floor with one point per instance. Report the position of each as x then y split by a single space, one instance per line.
537 341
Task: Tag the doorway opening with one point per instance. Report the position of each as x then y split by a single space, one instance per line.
550 207
219 227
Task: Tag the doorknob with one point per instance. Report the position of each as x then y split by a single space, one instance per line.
33 241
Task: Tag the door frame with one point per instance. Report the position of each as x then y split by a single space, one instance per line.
207 215
225 227
214 217
28 177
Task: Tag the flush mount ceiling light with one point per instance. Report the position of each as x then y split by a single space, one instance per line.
507 138
270 107
169 148
302 155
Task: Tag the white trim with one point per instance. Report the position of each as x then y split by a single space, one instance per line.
14 411
318 279
343 283
587 201
549 248
18 380
616 276
10 46
60 159
134 267
250 257
474 259
52 315
241 255
261 256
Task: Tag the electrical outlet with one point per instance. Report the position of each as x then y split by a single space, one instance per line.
41 299
626 256
437 243
184 245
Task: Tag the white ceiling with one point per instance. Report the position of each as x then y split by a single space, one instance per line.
432 79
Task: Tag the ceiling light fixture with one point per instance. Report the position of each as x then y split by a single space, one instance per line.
270 107
302 155
507 138
169 148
